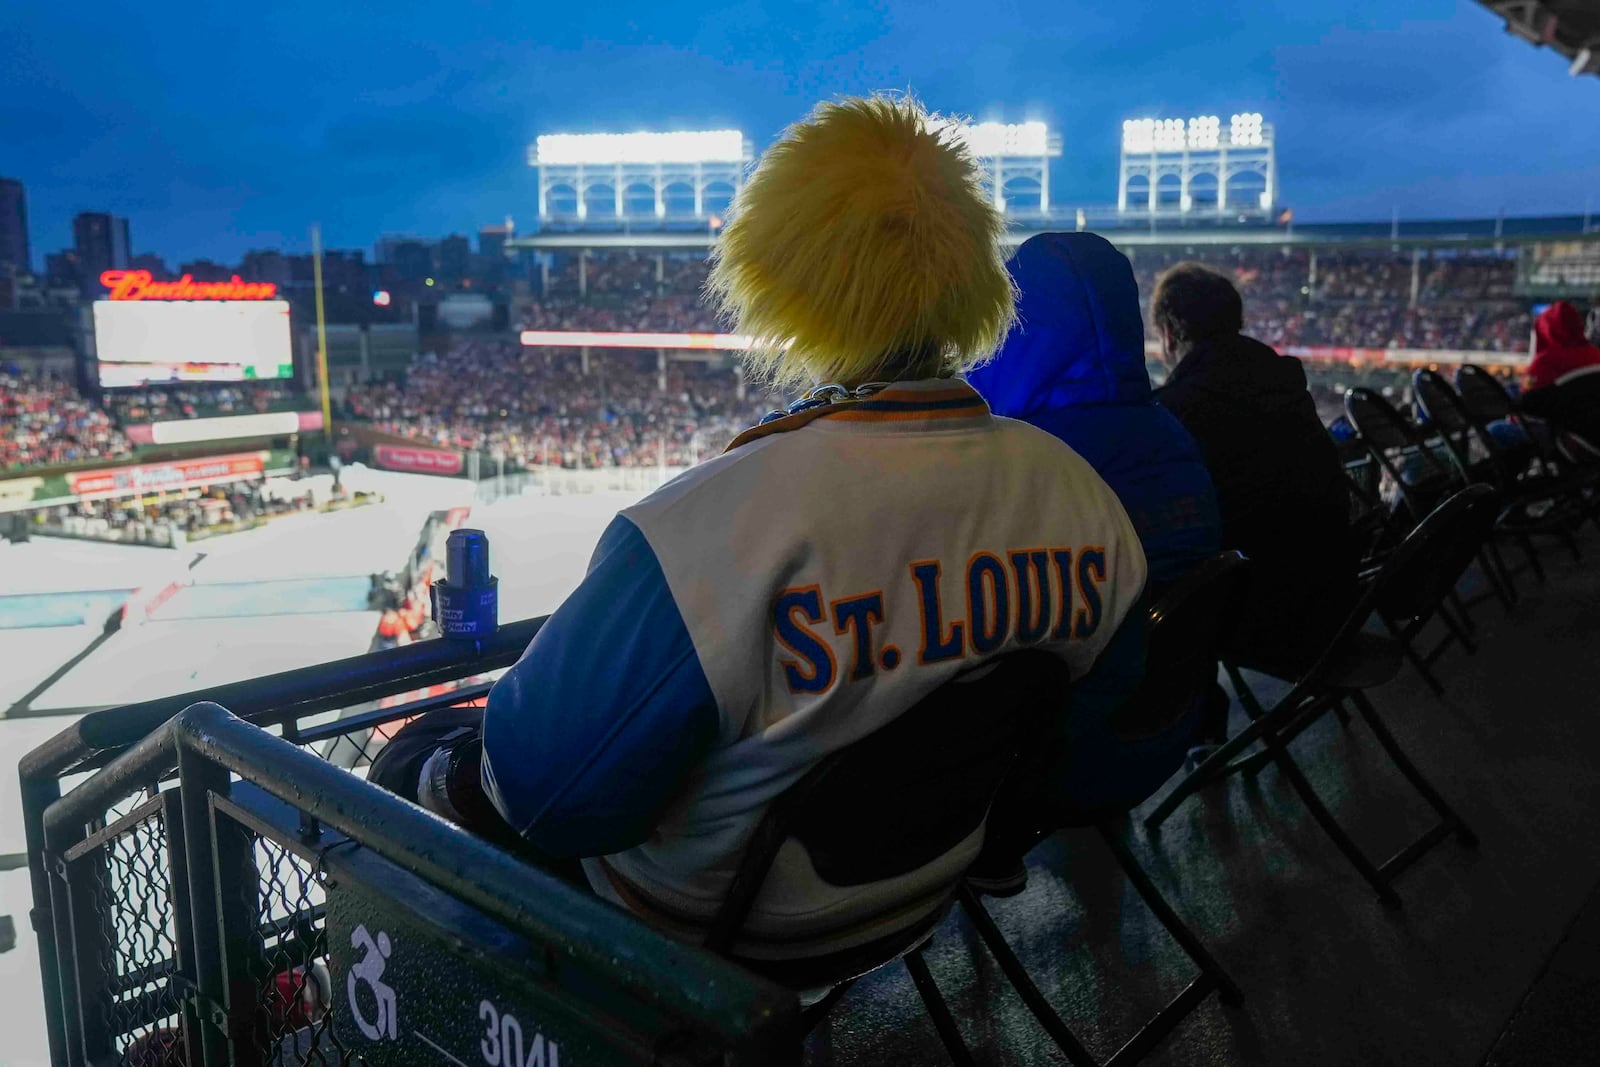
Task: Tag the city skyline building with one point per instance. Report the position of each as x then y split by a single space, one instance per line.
14 251
101 242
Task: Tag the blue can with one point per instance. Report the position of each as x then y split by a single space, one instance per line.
466 602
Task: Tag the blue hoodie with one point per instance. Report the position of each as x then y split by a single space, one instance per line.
1074 367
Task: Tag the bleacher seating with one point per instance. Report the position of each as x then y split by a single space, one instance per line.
165 403
48 422
1356 300
537 407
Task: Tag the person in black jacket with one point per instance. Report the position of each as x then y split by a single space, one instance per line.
1280 486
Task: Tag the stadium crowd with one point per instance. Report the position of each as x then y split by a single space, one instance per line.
162 403
47 422
1347 299
668 313
169 522
617 416
536 407
627 272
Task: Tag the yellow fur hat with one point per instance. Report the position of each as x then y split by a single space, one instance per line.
863 247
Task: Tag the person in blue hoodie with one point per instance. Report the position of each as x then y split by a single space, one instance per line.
1073 365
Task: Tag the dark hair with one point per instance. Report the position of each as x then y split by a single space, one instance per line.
1193 302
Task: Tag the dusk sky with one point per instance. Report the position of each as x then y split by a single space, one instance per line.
216 131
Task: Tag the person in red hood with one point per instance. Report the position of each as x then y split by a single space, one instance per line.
1562 351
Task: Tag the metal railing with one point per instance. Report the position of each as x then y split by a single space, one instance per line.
204 891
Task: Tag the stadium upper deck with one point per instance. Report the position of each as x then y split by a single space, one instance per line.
1380 297
689 233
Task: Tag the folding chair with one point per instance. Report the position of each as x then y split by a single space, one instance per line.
1407 591
1422 477
1559 499
1375 527
1487 401
891 804
1564 421
1144 745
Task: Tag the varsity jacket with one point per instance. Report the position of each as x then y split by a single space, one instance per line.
777 603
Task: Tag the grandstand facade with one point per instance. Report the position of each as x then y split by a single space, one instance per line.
609 355
1438 287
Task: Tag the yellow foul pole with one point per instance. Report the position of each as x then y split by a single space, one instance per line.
322 333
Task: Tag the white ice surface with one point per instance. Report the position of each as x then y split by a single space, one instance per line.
540 548
59 565
164 658
21 996
28 657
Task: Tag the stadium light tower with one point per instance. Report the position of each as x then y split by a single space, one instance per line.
1011 152
637 170
1200 147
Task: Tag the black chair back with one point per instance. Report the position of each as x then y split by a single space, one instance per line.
1438 401
1486 400
1424 568
1482 394
1572 409
1380 425
1436 554
1447 417
1404 454
1502 464
909 792
1184 637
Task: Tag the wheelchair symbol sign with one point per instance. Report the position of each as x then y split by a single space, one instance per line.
369 971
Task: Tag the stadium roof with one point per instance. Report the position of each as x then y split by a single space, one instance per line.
1571 27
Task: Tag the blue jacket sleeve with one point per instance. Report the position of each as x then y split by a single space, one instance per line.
599 724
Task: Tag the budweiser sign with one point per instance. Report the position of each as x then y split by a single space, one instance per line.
139 285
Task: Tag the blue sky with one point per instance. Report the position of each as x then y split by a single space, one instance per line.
215 132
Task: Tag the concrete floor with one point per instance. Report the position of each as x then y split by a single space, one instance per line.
1493 950
1558 1021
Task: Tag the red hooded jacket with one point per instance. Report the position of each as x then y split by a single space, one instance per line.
1561 349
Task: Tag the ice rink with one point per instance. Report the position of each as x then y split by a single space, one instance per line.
285 595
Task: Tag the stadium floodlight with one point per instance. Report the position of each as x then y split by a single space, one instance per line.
1245 130
1139 135
1204 131
1169 134
603 149
1010 153
1201 132
997 140
1157 150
